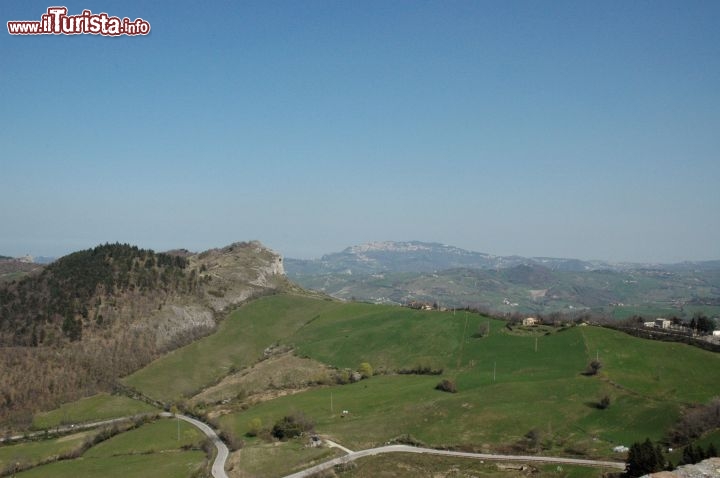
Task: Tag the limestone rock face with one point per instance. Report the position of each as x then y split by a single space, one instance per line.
226 277
709 468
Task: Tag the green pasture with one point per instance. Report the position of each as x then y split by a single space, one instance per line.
509 382
33 452
239 342
270 460
176 464
411 465
96 408
154 449
157 437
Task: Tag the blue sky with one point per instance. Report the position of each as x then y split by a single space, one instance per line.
540 128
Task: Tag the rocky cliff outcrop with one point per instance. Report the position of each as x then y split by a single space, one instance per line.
226 278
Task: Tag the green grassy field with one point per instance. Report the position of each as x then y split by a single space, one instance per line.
270 460
167 465
154 449
96 408
407 465
157 437
509 382
33 452
239 342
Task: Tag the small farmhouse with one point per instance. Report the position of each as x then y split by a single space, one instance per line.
661 323
530 321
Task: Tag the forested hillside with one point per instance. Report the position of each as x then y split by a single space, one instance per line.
101 313
81 290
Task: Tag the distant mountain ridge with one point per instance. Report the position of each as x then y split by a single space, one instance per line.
417 256
401 272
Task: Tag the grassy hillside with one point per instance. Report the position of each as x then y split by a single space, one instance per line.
407 465
512 383
160 465
238 343
34 452
508 388
519 389
91 409
163 448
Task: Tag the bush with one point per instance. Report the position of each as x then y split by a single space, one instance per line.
232 441
254 427
365 370
447 385
420 370
593 368
604 403
292 426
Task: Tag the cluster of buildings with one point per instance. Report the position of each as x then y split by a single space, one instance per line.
661 323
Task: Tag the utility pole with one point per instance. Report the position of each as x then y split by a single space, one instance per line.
174 410
462 341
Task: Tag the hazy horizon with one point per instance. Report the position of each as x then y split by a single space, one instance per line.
561 129
312 257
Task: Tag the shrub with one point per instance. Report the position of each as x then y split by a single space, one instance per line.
232 441
604 403
365 370
254 427
447 385
292 426
420 370
593 368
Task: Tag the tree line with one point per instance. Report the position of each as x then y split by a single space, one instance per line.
70 293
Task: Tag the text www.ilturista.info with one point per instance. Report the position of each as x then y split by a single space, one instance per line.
57 22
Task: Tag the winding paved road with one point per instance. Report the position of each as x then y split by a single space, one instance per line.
218 467
482 456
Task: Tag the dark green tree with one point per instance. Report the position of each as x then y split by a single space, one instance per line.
690 455
711 451
644 458
72 328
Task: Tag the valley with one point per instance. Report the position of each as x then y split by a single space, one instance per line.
406 272
366 376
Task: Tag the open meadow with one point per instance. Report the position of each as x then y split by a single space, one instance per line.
518 389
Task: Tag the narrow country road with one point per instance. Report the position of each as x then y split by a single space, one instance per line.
429 451
218 466
71 428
